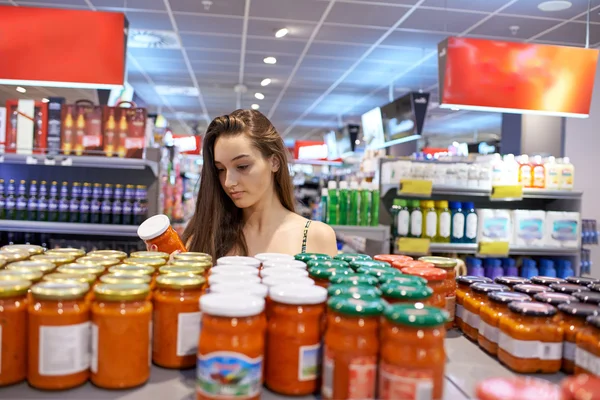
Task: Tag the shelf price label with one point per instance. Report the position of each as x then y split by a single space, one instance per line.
507 192
416 187
493 249
413 245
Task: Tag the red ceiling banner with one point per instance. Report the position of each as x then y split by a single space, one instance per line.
62 48
489 75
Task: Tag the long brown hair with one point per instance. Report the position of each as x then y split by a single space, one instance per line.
217 226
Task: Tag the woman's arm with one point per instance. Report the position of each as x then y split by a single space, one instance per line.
321 239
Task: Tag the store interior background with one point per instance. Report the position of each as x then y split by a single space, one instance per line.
340 59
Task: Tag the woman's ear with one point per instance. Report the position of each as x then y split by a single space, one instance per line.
275 164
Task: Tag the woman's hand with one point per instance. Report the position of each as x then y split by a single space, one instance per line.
153 247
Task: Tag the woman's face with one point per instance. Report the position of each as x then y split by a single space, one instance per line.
245 175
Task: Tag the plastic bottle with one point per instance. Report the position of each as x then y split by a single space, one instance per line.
525 172
474 267
343 205
374 204
494 268
323 205
53 202
510 267
567 174
564 269
497 170
528 268
2 201
430 220
403 221
444 222
416 219
471 222
21 202
32 202
353 205
395 211
511 170
552 174
547 268
538 173
333 204
365 204
458 222
42 214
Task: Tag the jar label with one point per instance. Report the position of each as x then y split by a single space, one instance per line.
64 350
328 368
445 224
471 319
430 224
489 332
451 307
471 230
458 225
460 312
308 362
530 348
188 332
229 374
568 351
362 374
94 349
416 223
403 222
404 383
588 361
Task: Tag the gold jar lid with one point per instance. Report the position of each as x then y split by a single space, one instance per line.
121 291
440 262
180 281
65 277
67 251
125 278
121 255
77 268
59 290
150 254
11 275
151 262
131 269
31 249
178 270
13 256
57 260
191 255
3 261
31 265
11 288
102 261
204 264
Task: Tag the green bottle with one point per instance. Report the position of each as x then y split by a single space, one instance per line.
365 204
344 200
323 205
353 207
416 219
375 204
333 204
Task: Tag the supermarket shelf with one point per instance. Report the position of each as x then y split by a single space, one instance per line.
471 248
80 161
379 233
68 228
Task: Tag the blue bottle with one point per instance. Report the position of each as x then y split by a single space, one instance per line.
457 230
564 269
528 268
474 267
510 267
493 268
547 268
471 222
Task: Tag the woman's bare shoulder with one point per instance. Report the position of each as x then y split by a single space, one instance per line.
321 239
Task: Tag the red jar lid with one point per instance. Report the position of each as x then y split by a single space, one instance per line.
517 388
430 274
581 387
412 264
390 258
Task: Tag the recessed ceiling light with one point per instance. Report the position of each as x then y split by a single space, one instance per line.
270 60
554 5
255 106
150 39
281 32
21 89
45 100
259 96
265 82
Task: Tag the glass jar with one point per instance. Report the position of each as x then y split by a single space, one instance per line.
356 264
238 260
177 320
58 324
546 280
55 259
402 280
155 262
125 278
120 255
217 279
555 299
463 289
436 280
587 353
529 342
472 305
13 328
85 269
284 264
511 281
240 270
121 335
378 271
567 288
351 348
349 257
531 289
131 270
204 265
282 272
390 258
322 274
293 341
448 265
231 346
105 262
89 279
44 267
252 289
31 276
342 289
582 280
517 388
23 248
412 356
274 257
588 297
327 264
150 254
192 256
409 294
179 270
572 321
490 314
306 257
400 265
157 232
14 256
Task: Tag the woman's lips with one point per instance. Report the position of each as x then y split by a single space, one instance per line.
236 195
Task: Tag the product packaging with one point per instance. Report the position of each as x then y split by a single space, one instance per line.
528 227
124 130
562 229
494 225
26 128
55 107
88 128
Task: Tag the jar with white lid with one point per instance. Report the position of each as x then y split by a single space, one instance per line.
283 272
252 289
263 257
221 278
239 260
271 281
287 264
233 270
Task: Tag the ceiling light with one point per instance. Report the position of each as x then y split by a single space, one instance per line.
270 60
454 108
21 89
45 100
259 96
265 82
554 5
281 32
151 39
255 106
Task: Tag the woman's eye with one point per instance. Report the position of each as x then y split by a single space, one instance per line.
242 167
219 170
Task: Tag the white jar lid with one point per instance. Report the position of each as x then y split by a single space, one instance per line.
284 264
153 227
283 272
253 289
239 260
285 280
298 294
215 279
233 270
273 256
231 305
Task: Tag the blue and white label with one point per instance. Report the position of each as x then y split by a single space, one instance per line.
229 375
531 228
564 230
309 362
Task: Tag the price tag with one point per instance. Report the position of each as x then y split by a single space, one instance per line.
505 192
67 162
31 160
493 248
419 187
413 245
49 161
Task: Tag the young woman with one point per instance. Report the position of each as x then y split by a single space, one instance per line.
245 204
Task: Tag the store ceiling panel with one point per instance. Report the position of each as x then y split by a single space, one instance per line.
366 14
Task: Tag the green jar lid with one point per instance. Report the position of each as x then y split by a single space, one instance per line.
311 256
349 257
397 202
409 292
403 280
402 202
369 263
327 272
416 317
366 306
354 279
379 271
327 263
353 290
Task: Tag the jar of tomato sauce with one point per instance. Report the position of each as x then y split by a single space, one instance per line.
157 233
283 272
435 278
398 293
351 348
582 280
448 265
124 278
472 304
403 280
327 263
131 270
178 270
517 388
463 289
356 264
490 314
546 280
555 299
88 279
31 276
23 248
237 270
587 353
322 274
155 262
378 271
192 256
68 251
349 257
150 254
306 257
252 289
58 324
400 265
573 318
98 261
121 335
412 352
529 342
55 259
342 289
13 327
231 347
239 260
588 297
568 288
218 278
390 258
531 289
31 265
177 320
85 269
580 387
284 264
294 339
14 256
120 255
354 279
511 281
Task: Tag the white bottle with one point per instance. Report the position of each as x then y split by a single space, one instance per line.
511 170
497 170
553 173
567 174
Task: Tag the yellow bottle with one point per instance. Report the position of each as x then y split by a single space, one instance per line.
121 149
430 219
67 138
80 132
444 219
109 135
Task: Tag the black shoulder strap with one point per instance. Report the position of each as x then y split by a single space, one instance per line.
305 236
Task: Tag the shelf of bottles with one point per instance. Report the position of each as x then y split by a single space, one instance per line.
472 248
